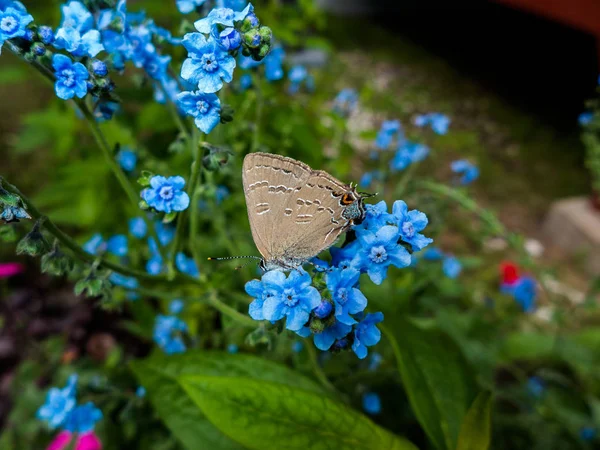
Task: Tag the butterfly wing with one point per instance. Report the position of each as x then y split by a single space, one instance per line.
316 222
270 182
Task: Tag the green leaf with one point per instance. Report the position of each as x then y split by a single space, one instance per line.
476 430
159 373
436 379
261 413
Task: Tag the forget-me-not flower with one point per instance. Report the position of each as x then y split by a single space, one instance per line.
176 306
273 63
326 338
371 403
366 334
71 78
468 170
346 297
295 298
378 251
166 194
345 102
261 290
186 265
13 22
83 418
410 223
117 245
138 227
408 153
386 133
207 65
221 16
439 122
167 334
451 267
204 108
59 404
187 6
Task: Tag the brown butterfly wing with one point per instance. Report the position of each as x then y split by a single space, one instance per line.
270 182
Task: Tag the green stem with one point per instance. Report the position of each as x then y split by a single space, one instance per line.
242 319
116 169
197 151
69 243
318 371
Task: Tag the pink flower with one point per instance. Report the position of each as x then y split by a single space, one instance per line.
10 269
85 441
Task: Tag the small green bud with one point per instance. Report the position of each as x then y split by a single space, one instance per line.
91 286
252 39
143 205
266 34
263 51
34 243
145 177
56 262
168 218
317 325
250 22
8 198
226 113
216 158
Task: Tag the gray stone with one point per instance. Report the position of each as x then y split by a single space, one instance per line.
574 226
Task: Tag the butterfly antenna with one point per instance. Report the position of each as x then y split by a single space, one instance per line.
210 258
368 194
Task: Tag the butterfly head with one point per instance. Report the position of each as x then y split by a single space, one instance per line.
354 208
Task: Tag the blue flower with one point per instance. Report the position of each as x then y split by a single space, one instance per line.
121 280
230 39
46 34
176 306
376 216
13 22
59 404
71 78
165 233
263 290
117 245
76 15
451 267
207 65
366 334
439 122
13 214
83 418
105 109
585 118
221 193
233 349
166 194
99 68
368 178
385 135
408 153
297 75
156 65
154 265
186 265
187 6
375 361
221 16
433 254
345 102
346 297
524 292
245 81
378 251
295 299
371 403
536 386
410 223
323 310
326 338
166 90
71 40
204 108
140 392
469 171
167 334
274 64
138 227
297 346
341 257
95 244
587 434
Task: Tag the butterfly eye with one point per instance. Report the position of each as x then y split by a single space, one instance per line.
347 199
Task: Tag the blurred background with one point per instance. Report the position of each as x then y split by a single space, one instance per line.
513 75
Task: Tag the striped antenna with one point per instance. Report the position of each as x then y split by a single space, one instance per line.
236 257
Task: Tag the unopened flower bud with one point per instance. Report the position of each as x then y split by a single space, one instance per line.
34 243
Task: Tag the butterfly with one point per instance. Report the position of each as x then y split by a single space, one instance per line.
296 212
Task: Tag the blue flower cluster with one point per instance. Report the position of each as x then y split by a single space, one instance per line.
210 62
389 130
468 171
336 316
117 245
168 331
408 153
61 410
438 122
391 135
299 77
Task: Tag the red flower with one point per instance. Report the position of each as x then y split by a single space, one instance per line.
510 272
